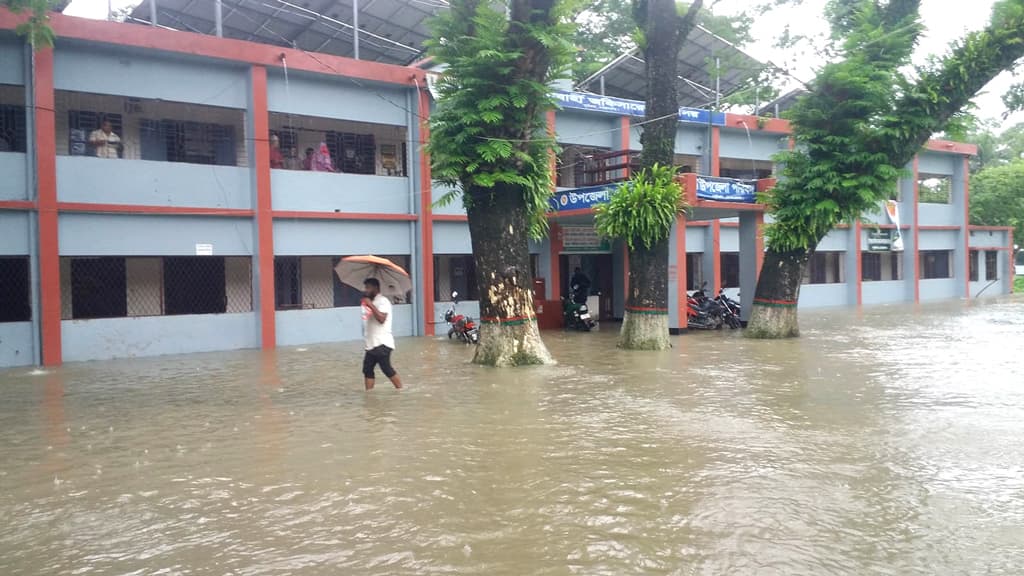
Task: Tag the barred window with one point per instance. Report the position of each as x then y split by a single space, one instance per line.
12 126
730 269
972 260
15 299
935 264
695 270
118 287
455 273
991 265
825 268
309 282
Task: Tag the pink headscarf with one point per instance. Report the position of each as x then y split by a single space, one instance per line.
322 159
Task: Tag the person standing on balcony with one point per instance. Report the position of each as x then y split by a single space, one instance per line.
104 141
276 158
322 159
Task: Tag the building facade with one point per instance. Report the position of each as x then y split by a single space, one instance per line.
207 226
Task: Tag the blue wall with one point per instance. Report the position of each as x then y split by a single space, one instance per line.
16 344
587 129
326 192
760 146
148 75
437 191
823 295
941 289
330 97
135 235
14 236
452 238
340 237
300 327
887 292
12 61
13 185
157 335
150 183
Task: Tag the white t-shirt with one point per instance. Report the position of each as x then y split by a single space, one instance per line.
374 333
105 144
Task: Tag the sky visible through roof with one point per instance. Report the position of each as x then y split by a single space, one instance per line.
943 23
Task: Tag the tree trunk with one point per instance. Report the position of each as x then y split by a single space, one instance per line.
774 313
645 322
498 226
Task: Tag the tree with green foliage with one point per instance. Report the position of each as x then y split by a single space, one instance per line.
645 323
641 212
997 197
488 141
864 118
36 27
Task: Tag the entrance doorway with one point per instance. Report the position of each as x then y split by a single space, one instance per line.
598 268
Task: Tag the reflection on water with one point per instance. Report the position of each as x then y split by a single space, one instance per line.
882 442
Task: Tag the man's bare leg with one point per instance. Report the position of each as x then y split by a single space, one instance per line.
369 383
394 380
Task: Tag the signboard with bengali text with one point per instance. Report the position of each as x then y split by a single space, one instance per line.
726 190
623 107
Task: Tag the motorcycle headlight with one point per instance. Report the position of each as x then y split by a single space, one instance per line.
583 307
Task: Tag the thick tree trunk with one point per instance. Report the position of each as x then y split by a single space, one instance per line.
645 322
498 225
774 313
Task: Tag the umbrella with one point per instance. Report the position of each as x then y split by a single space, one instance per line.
394 281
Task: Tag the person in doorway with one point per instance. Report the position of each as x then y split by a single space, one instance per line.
104 141
276 158
379 340
579 286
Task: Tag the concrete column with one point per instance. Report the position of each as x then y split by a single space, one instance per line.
677 277
960 197
218 17
258 120
853 264
751 247
908 217
355 29
419 131
711 260
152 13
45 173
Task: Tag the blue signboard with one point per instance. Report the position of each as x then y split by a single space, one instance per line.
580 198
623 107
726 190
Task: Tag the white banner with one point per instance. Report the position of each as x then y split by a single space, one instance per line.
892 209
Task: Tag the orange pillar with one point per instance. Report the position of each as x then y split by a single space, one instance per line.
264 206
46 196
426 217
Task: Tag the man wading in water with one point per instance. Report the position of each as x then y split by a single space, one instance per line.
377 334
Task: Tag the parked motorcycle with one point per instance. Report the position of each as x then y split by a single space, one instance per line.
703 313
576 314
460 325
730 309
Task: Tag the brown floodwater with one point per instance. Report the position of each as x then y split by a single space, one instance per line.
889 441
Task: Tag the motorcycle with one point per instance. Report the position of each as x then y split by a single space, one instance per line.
730 309
575 313
703 313
460 325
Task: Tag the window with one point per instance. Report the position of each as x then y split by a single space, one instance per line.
455 272
15 305
730 264
935 264
991 265
12 128
82 122
98 288
695 270
345 295
183 141
881 266
871 266
825 268
972 260
194 285
353 153
934 189
287 283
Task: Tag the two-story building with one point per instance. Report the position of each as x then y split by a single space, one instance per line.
243 170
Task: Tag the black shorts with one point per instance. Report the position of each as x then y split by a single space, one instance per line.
380 355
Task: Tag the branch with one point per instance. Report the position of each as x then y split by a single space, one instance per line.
942 92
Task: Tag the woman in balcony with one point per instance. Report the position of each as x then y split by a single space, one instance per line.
276 158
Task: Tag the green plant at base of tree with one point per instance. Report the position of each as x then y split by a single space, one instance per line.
863 119
641 212
36 28
489 142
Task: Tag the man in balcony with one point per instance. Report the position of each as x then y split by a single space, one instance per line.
104 141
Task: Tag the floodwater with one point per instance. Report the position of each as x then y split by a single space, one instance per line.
884 442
